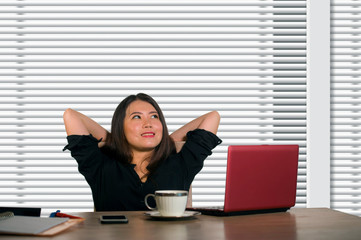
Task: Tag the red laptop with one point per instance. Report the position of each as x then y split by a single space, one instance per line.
260 178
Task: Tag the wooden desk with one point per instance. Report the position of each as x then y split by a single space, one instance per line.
295 224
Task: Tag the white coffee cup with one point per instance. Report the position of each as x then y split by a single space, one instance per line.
169 203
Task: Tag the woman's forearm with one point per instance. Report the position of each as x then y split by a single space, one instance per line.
77 123
209 122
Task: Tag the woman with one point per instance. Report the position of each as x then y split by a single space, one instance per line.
138 156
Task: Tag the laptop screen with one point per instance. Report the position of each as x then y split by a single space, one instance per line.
261 177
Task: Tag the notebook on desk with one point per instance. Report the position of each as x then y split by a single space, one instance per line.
11 224
260 178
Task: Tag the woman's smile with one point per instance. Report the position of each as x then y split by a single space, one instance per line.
148 134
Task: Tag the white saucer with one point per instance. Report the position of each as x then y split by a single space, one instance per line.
186 215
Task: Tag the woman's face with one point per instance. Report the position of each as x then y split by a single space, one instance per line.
142 127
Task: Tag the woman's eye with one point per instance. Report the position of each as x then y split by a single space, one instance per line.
154 116
136 117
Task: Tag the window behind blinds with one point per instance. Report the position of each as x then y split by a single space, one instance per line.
245 59
346 106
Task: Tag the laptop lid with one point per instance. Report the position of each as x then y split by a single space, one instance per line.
261 177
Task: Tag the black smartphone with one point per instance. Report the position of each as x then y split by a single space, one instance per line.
113 219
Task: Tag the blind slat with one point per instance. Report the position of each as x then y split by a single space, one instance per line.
157 3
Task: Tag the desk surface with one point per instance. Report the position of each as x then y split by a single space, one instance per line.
294 224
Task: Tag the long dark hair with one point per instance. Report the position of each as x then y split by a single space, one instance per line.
117 145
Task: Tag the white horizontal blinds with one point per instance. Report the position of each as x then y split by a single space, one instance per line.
346 107
245 59
290 125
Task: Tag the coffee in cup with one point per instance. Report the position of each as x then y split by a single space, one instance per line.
169 203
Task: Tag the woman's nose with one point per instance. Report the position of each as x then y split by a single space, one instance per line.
147 123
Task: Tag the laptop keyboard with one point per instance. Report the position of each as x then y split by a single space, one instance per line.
211 208
207 209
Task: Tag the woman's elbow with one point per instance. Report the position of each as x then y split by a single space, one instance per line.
216 115
67 113
212 121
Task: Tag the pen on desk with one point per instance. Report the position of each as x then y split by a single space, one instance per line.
59 214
